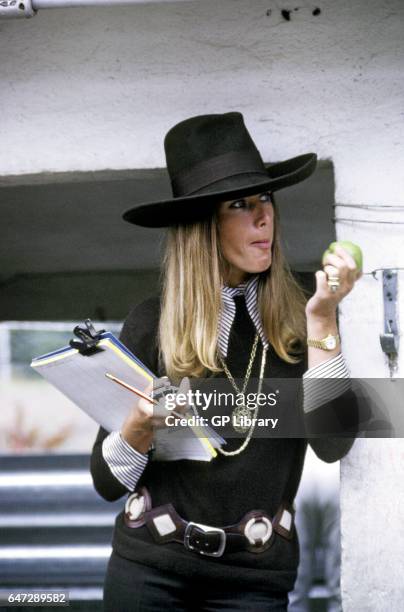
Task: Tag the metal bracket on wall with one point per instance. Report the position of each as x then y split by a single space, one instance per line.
390 339
13 9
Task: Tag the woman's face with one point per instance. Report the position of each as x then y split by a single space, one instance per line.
246 228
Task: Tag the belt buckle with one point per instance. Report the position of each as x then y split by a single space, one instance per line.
207 529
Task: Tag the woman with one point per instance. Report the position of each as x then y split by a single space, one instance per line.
229 307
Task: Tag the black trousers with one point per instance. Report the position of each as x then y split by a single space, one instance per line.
133 587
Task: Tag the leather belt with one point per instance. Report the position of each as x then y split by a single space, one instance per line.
255 532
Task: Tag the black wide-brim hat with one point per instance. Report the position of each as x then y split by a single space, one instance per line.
212 158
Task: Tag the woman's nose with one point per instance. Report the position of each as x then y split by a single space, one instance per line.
262 214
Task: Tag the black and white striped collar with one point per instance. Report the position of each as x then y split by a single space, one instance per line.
250 290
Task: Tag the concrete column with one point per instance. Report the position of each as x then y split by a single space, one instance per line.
372 510
372 491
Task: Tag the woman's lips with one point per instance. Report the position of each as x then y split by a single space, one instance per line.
261 244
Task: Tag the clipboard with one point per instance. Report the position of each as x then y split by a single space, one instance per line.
78 371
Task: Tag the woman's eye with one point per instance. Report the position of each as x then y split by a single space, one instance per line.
265 197
238 204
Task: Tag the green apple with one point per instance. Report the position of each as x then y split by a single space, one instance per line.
353 249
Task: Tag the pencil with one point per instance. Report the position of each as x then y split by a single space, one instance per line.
138 392
130 388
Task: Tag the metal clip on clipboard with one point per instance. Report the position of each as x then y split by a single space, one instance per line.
88 338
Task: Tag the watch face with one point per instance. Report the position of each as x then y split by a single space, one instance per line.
330 342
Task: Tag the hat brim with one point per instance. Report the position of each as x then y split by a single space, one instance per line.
176 211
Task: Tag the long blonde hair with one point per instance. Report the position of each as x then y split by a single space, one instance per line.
193 273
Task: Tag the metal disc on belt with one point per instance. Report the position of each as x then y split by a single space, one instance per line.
135 506
258 530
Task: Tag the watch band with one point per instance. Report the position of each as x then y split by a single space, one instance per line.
329 343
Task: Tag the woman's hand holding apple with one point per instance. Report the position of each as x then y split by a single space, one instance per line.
344 260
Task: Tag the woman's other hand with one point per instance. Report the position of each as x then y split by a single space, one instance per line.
324 302
145 417
138 426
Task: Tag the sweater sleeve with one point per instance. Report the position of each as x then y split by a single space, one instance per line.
105 483
330 405
115 465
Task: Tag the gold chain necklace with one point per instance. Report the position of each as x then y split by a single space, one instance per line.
256 409
241 412
255 414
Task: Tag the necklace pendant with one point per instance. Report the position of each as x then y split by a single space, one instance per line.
241 416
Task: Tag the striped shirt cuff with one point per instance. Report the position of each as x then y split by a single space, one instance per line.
317 393
125 463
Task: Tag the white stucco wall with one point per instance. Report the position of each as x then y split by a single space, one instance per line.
94 89
86 89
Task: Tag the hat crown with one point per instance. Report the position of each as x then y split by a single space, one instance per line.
206 149
211 159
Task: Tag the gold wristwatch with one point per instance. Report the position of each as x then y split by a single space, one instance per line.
329 343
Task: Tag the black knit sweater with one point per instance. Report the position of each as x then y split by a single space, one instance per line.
219 492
